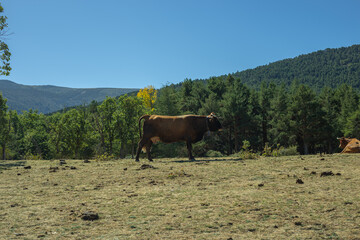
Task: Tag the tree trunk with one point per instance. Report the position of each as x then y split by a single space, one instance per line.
3 151
264 132
132 148
229 140
236 136
306 148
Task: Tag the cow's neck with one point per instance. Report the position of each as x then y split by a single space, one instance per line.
207 124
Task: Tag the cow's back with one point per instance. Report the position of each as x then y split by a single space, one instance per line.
352 147
172 129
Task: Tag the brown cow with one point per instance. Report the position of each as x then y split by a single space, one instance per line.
349 145
169 129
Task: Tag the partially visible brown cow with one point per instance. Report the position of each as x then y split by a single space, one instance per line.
169 129
349 145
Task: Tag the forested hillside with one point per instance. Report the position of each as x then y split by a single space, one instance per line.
330 67
47 99
271 119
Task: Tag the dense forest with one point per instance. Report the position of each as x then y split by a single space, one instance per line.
271 117
324 68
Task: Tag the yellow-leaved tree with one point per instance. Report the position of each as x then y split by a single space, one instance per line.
148 96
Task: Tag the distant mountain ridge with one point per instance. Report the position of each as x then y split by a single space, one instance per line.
48 98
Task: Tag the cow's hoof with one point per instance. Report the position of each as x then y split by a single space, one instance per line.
137 160
192 159
150 160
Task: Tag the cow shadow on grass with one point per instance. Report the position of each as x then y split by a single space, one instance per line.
209 160
6 164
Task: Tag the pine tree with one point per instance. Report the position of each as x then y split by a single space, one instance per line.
306 118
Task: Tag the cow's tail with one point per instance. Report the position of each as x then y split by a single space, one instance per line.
146 117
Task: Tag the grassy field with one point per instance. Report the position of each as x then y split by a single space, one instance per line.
267 198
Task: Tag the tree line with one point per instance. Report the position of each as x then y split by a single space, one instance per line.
272 116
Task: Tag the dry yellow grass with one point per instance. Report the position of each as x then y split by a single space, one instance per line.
208 199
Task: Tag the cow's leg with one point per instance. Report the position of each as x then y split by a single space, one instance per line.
141 144
189 148
343 151
148 149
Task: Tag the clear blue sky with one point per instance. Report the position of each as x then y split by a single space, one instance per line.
136 43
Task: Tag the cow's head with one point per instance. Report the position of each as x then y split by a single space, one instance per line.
343 141
213 122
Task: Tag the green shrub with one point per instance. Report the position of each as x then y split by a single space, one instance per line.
212 153
104 157
290 151
30 156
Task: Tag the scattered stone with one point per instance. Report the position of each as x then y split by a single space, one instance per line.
313 172
330 210
298 224
260 185
348 203
251 229
53 169
322 159
72 167
125 169
305 168
299 181
19 174
89 216
338 174
146 166
276 226
329 173
27 167
153 182
133 195
14 205
86 161
62 162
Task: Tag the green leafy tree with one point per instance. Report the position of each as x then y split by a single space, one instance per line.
352 127
73 132
106 112
187 102
4 125
217 86
35 141
349 101
129 111
4 49
56 126
166 103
